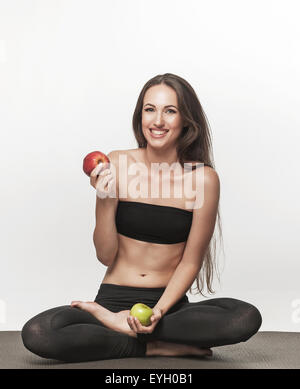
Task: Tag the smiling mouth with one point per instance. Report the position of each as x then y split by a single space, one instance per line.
158 132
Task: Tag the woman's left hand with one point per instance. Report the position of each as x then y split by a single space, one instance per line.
137 327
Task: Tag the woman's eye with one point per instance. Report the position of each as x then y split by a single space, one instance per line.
172 110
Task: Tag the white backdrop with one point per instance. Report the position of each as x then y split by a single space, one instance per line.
70 75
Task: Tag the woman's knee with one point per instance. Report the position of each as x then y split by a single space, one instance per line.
247 323
33 335
37 333
255 319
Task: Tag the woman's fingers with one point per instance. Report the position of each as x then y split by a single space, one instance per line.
94 174
99 177
132 323
136 325
133 326
96 170
129 322
103 186
104 172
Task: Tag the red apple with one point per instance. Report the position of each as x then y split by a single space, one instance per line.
92 159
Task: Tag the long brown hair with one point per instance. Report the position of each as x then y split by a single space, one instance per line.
194 144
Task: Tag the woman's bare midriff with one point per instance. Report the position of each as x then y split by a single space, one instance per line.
145 264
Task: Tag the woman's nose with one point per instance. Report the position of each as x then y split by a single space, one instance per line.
158 120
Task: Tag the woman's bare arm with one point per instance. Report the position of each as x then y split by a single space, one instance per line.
105 235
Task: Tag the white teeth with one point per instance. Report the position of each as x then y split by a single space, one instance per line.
158 132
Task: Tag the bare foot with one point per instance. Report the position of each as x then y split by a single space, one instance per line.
116 321
158 347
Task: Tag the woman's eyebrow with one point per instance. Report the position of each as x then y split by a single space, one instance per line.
165 105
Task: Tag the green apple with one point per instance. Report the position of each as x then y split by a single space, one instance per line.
142 312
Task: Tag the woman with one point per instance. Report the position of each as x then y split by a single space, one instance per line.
153 246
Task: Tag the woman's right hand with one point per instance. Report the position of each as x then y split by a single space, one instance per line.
103 179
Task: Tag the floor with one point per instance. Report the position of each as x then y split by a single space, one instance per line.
264 350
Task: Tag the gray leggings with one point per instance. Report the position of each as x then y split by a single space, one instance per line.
70 334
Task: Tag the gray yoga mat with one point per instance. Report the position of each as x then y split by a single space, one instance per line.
264 350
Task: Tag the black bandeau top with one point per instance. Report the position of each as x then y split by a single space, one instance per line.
153 223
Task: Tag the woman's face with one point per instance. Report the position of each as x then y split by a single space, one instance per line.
160 112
